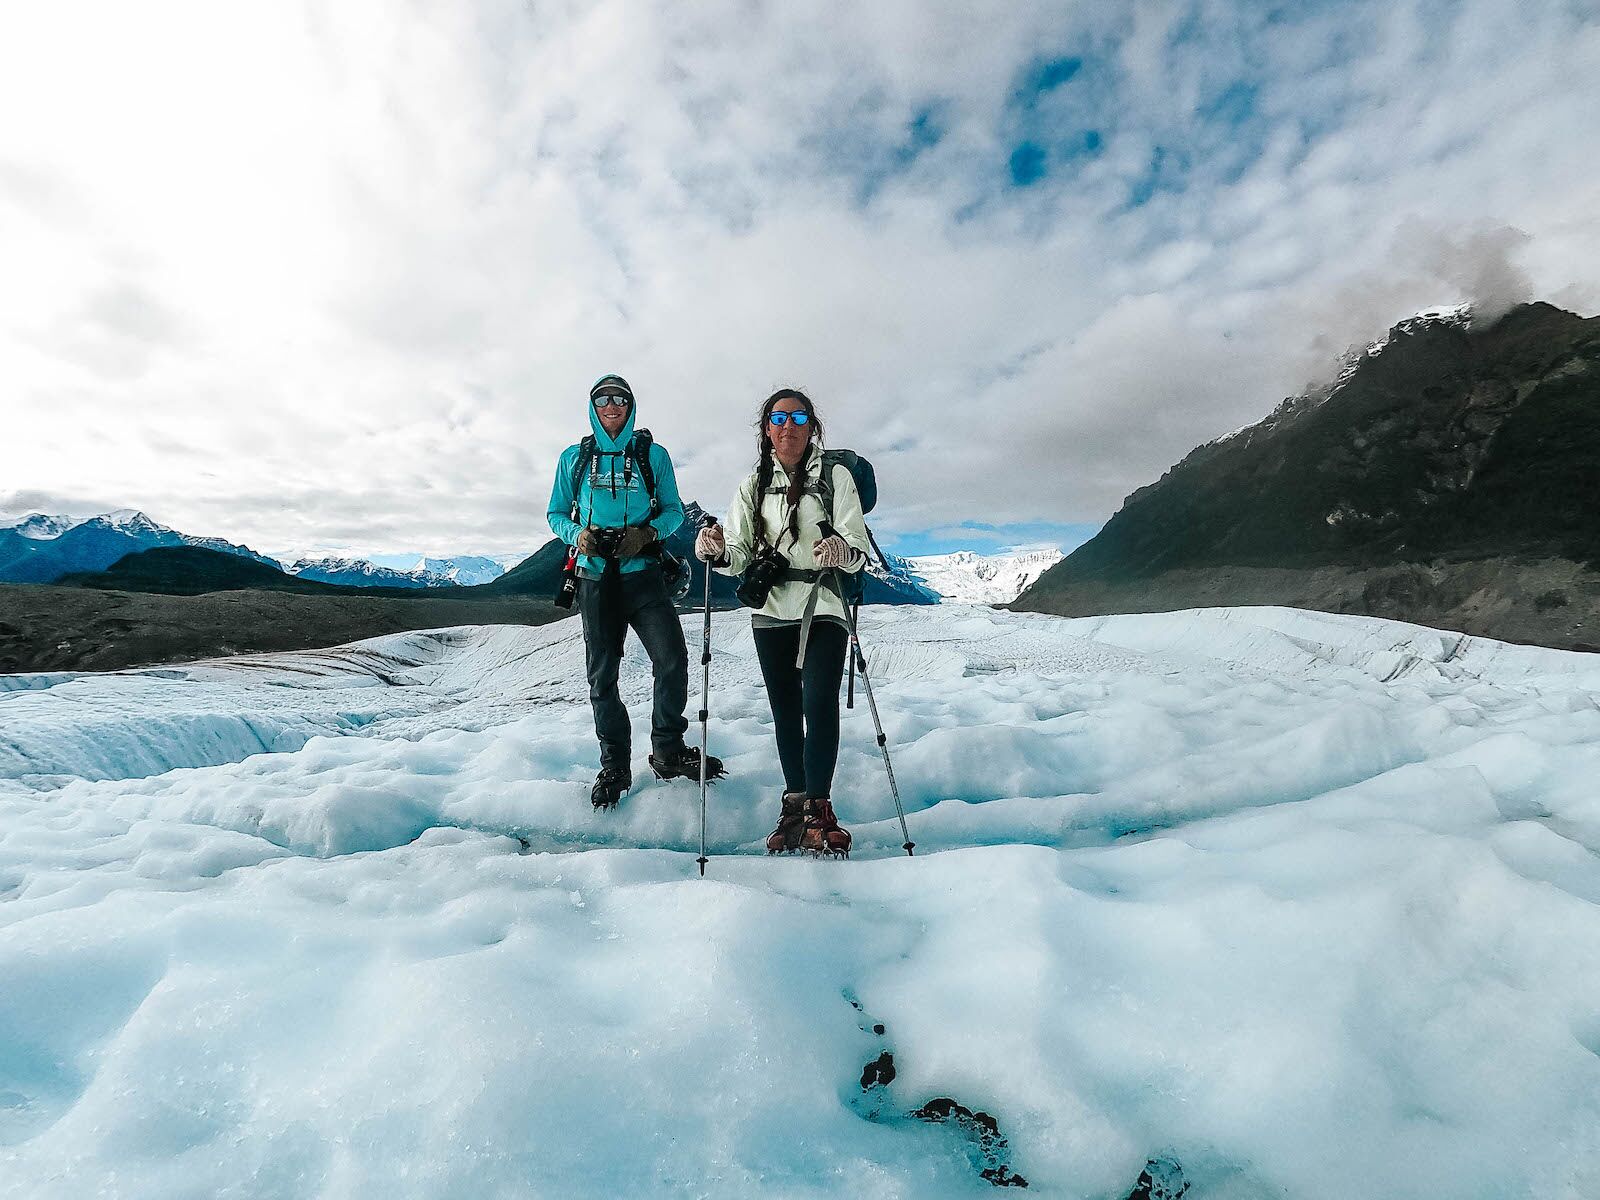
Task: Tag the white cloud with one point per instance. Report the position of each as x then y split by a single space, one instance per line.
338 277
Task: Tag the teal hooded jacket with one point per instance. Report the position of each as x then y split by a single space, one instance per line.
611 497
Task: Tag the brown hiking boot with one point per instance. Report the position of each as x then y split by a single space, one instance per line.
823 834
791 824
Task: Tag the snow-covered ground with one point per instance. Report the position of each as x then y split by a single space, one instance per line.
1305 903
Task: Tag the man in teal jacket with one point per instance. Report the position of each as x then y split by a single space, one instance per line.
615 497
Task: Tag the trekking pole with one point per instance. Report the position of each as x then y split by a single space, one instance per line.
705 699
850 692
859 662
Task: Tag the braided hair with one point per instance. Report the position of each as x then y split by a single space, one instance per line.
797 483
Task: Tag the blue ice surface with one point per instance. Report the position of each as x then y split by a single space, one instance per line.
1305 903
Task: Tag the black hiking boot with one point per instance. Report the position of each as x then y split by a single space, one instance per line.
785 839
684 763
609 786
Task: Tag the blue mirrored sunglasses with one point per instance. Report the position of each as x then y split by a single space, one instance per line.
609 401
780 419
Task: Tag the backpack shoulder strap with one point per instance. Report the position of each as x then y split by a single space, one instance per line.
580 467
586 455
830 460
639 450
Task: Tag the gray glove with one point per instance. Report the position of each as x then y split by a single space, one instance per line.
709 544
832 552
636 539
588 543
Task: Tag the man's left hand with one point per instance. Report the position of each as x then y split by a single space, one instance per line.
635 540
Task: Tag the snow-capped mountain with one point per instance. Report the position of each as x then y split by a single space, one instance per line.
132 522
900 584
358 572
466 571
38 527
967 577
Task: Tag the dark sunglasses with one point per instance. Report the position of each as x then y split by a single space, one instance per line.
611 401
780 419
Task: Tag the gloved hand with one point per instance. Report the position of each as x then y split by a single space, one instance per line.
588 542
832 552
635 540
709 544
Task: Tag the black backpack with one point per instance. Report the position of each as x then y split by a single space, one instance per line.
636 451
673 569
866 480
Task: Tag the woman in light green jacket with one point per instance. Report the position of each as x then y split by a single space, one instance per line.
775 527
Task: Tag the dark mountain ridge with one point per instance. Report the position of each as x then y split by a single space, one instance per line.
1445 445
195 570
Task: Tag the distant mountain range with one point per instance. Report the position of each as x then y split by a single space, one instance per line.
113 551
541 573
1449 475
358 572
467 571
40 548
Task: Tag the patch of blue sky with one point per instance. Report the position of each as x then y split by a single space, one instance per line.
1225 137
1027 164
870 160
989 539
1233 106
1167 171
924 132
1043 77
1055 118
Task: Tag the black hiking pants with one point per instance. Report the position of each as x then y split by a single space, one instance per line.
610 607
805 701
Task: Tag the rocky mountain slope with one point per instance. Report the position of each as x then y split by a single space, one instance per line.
1450 475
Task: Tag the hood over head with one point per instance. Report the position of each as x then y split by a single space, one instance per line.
614 385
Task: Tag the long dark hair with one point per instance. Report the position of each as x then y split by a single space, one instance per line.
797 482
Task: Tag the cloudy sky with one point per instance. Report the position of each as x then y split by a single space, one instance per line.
336 275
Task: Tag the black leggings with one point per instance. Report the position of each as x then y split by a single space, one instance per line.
805 703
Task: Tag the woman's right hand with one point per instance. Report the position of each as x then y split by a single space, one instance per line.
709 544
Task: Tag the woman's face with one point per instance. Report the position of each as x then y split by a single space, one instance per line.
789 440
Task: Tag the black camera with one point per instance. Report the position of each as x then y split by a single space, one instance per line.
765 572
606 541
